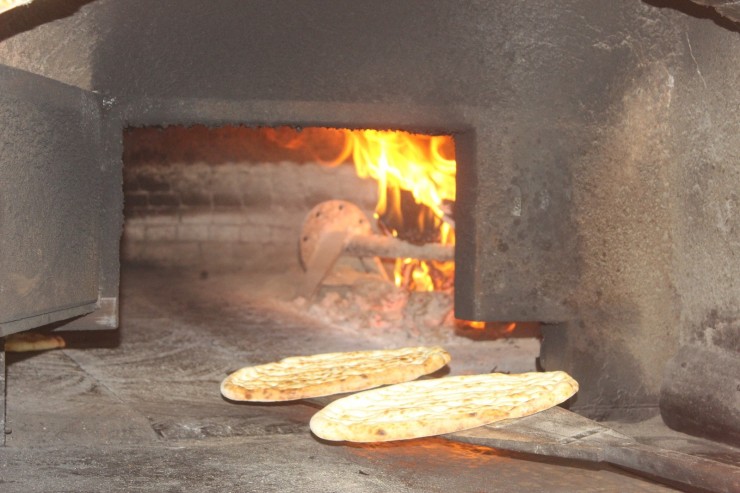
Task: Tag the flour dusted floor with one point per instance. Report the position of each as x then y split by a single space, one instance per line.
140 410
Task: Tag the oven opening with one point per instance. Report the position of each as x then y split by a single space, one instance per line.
353 229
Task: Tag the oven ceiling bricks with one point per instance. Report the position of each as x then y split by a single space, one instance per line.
598 143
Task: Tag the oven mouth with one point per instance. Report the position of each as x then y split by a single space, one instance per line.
331 216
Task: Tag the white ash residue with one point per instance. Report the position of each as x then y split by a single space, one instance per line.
379 310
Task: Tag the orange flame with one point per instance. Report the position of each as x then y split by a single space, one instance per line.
502 328
422 165
400 160
415 170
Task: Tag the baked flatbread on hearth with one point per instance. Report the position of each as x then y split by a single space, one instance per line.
437 406
24 342
301 377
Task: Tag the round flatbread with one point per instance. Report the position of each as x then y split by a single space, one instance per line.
301 377
438 406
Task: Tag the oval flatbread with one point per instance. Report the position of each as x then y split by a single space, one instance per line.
438 406
23 342
301 377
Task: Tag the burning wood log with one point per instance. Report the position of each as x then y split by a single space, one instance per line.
336 227
331 245
389 247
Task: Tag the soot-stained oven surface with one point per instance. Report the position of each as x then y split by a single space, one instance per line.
596 147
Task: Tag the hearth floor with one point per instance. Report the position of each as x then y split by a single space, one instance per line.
140 410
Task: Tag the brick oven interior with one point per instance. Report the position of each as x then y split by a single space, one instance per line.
597 207
227 198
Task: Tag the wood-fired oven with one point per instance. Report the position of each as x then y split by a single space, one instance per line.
597 147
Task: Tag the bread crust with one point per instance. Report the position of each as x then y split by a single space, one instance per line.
23 342
301 377
438 406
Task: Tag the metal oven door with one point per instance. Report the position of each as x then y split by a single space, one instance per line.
53 178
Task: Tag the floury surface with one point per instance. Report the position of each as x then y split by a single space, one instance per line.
140 410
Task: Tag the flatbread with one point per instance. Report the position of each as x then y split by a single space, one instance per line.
438 406
301 377
11 4
23 342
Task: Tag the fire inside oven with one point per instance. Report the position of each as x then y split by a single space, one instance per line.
359 225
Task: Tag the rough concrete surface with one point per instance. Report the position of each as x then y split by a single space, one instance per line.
140 410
